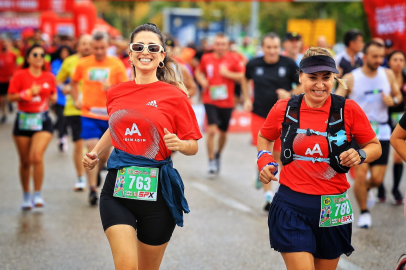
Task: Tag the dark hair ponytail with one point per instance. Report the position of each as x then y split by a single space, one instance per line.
170 72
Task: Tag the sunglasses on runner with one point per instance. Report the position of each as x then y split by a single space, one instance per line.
42 55
152 48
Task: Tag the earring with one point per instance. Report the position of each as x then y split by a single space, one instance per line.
163 64
129 62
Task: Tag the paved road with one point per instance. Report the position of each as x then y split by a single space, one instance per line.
226 229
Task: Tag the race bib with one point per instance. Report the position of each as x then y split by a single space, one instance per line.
336 210
99 74
218 92
375 127
395 117
137 183
30 121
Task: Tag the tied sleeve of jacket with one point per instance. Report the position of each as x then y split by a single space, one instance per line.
171 182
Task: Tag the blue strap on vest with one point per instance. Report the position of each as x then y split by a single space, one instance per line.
309 132
303 158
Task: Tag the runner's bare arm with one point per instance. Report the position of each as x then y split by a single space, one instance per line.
53 98
34 90
372 148
397 140
235 76
90 160
395 88
201 78
75 94
188 81
245 84
266 175
349 80
186 147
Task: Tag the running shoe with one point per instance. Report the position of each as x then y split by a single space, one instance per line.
258 183
63 144
397 196
401 263
365 221
38 201
93 198
371 199
268 198
212 166
27 203
217 158
80 185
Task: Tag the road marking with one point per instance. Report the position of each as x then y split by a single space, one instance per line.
221 198
347 265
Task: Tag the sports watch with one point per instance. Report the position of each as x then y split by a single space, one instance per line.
362 155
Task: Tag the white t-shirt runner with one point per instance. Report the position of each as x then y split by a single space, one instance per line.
367 92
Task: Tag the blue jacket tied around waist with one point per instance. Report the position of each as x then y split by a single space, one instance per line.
171 182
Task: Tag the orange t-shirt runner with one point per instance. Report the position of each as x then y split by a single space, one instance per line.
23 80
305 176
93 74
220 92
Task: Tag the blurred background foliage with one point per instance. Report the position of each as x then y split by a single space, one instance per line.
273 16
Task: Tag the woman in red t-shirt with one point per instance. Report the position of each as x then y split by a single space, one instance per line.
310 216
33 88
149 117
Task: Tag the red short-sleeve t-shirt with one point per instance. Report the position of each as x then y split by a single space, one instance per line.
23 80
210 66
138 114
305 176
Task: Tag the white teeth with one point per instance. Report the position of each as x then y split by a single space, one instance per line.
145 60
318 92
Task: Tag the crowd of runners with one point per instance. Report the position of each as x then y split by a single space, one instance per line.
126 105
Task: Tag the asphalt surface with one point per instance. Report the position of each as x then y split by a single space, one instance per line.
226 229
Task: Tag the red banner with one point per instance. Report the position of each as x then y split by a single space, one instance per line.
36 5
387 20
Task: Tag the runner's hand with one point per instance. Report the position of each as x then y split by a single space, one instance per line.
90 160
388 100
266 175
204 84
282 93
35 89
66 89
248 105
78 104
350 158
172 141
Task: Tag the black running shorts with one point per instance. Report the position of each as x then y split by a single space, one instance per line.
46 126
75 124
218 116
3 88
152 220
383 159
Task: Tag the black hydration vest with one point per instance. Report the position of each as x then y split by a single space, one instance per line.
335 135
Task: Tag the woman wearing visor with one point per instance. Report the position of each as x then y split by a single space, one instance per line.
149 117
310 216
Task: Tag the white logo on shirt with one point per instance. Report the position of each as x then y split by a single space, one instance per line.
45 85
36 99
316 150
209 70
152 103
282 71
259 71
133 130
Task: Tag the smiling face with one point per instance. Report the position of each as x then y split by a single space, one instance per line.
36 58
145 61
271 48
317 86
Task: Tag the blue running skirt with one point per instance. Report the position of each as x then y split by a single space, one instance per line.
294 227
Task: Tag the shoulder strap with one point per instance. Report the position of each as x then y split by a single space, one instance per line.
336 117
293 109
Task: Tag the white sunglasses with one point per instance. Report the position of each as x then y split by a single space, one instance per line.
152 48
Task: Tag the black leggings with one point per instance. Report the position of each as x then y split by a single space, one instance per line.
152 220
60 124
